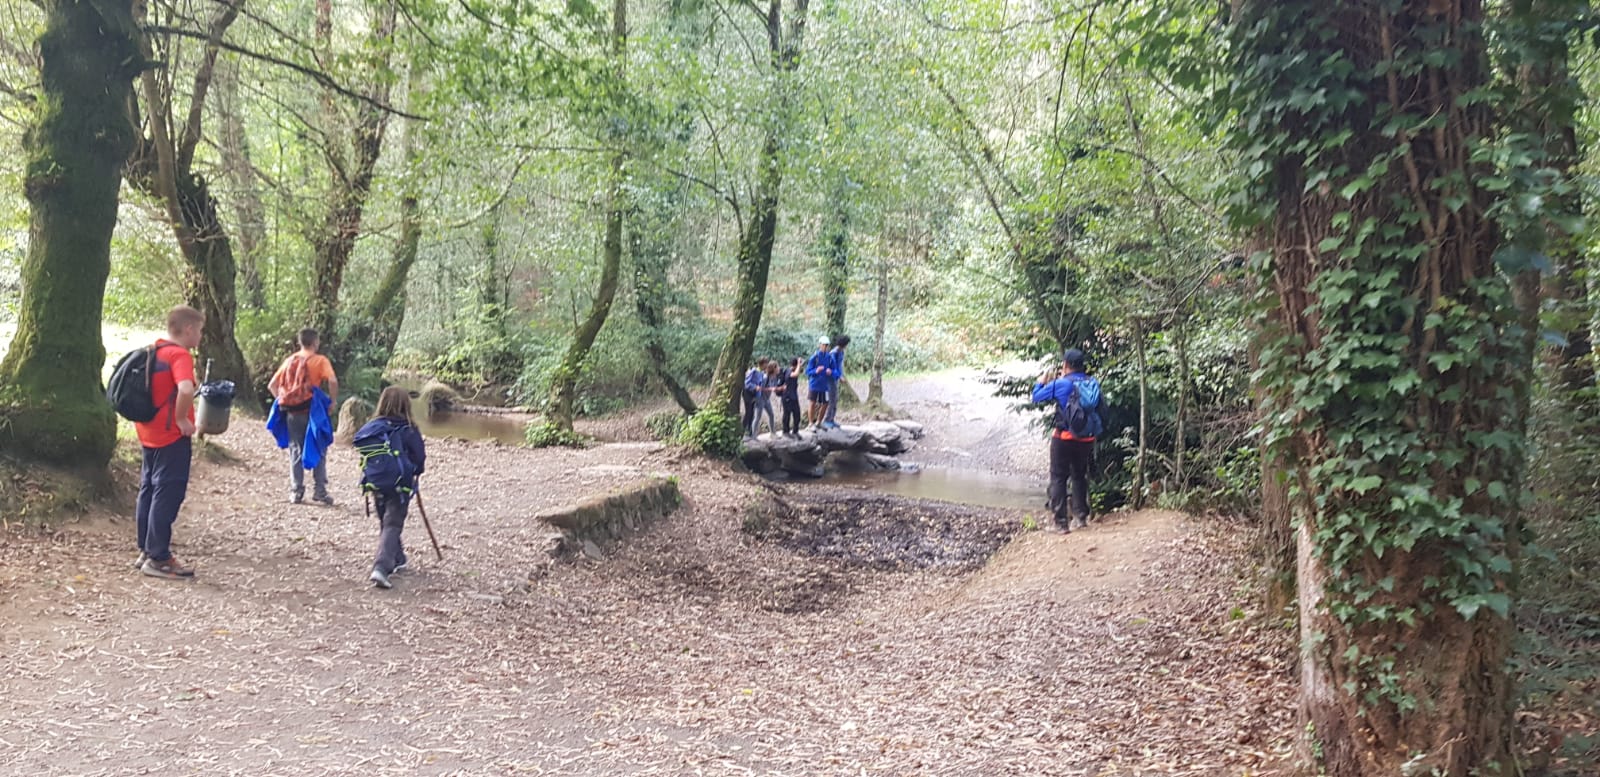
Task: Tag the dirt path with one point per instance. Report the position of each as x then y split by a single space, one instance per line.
694 648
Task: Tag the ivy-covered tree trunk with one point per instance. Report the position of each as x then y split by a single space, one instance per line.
1392 386
755 244
51 405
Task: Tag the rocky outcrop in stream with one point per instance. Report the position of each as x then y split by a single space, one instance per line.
876 444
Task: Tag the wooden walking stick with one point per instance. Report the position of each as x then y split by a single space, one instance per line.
426 524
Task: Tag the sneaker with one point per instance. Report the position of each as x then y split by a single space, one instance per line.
1082 523
380 579
170 569
325 500
297 499
400 567
138 563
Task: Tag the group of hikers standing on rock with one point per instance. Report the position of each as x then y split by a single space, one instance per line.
823 372
155 388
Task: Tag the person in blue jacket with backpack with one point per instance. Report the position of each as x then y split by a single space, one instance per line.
1077 424
392 457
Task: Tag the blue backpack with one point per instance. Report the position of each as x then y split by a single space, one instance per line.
1080 413
384 466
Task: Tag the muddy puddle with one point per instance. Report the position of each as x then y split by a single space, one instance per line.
887 532
961 486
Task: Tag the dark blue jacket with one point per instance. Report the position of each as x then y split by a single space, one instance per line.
319 430
411 446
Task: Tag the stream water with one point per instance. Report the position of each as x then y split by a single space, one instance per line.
961 486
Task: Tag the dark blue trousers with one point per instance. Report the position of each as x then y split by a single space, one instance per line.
163 484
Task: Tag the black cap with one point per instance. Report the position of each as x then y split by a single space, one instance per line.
1073 358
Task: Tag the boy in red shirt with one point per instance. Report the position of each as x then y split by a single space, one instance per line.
168 445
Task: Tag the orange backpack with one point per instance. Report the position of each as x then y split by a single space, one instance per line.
296 382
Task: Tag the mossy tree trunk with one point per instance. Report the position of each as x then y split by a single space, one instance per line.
564 385
51 404
835 266
755 243
879 329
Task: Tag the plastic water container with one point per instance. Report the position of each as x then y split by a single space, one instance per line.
214 407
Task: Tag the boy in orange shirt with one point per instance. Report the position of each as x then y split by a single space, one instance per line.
168 447
291 386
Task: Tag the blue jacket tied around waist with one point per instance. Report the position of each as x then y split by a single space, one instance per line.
319 430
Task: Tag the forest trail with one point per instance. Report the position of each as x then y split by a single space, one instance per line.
695 647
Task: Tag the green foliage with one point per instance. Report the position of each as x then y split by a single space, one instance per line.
666 425
552 436
712 432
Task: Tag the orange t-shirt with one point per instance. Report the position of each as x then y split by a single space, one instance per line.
318 371
174 365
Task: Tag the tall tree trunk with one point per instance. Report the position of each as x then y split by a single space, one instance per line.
564 387
1549 83
250 213
51 406
649 293
879 328
335 239
835 266
1180 333
164 168
755 245
1399 418
1140 472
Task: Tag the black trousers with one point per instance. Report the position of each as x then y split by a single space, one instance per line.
791 413
1070 462
749 408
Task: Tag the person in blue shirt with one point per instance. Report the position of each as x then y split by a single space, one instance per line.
1077 423
839 344
754 381
820 368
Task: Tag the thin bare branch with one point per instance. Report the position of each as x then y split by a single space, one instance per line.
318 76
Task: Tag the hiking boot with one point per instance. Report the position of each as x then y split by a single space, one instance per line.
380 579
298 498
324 500
167 570
138 563
1082 523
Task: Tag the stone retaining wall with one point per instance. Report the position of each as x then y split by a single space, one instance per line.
585 526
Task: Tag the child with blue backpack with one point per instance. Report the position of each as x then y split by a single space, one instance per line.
1077 424
392 456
